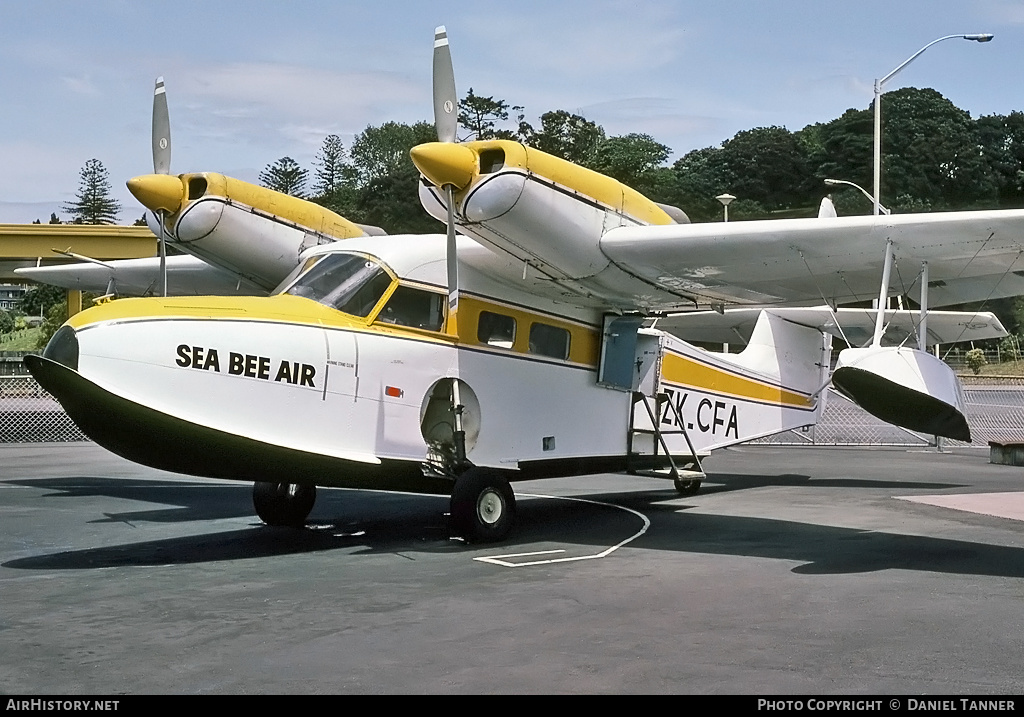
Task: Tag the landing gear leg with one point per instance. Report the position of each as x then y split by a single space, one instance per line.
284 504
483 506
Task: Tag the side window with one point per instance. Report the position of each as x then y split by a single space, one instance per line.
414 307
361 302
549 341
496 330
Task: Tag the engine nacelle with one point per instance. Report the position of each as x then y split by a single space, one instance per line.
905 387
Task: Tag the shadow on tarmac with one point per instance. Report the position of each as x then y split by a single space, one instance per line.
365 522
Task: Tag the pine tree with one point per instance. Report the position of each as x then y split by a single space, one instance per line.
93 203
285 176
332 172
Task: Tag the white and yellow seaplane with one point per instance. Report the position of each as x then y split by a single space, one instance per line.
523 348
238 238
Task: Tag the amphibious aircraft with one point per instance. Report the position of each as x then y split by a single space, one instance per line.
240 238
523 348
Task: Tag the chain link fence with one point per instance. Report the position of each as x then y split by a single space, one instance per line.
994 413
28 414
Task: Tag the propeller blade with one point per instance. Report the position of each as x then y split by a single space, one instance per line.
163 255
446 102
452 262
161 130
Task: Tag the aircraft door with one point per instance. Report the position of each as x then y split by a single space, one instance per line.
342 371
618 367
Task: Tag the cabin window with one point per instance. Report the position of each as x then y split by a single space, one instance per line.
196 187
491 160
549 341
347 282
414 307
496 330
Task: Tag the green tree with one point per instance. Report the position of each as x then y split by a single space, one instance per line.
701 175
6 322
379 151
285 176
843 149
630 158
1002 143
93 203
769 165
332 171
480 116
930 154
56 315
565 135
392 201
40 299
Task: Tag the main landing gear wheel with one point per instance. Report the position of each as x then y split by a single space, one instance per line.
686 487
483 506
283 504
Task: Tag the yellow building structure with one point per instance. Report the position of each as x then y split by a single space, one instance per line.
37 245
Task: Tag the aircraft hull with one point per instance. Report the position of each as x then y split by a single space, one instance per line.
159 440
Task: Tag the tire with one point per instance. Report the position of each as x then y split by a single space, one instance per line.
686 487
483 506
283 504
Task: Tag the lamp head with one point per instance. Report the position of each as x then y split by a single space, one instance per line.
983 37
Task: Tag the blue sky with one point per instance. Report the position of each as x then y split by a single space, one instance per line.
249 82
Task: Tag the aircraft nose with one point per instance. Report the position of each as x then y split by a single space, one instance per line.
158 192
445 163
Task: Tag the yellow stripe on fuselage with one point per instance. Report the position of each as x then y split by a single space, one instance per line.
584 341
599 187
687 372
293 209
283 307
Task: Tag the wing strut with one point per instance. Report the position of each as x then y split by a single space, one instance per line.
883 295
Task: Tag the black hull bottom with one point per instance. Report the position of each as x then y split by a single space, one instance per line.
151 438
900 405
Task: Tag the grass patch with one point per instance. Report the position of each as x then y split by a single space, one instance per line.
1005 368
20 340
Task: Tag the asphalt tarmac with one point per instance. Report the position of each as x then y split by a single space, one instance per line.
814 571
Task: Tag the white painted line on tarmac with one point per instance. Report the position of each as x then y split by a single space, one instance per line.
503 560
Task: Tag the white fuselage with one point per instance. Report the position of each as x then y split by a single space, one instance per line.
287 371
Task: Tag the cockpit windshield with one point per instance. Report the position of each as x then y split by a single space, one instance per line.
347 282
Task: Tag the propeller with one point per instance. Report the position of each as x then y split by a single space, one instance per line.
446 122
161 164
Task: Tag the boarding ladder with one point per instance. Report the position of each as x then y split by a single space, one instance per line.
688 474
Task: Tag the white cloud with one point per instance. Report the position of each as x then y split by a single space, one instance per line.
240 89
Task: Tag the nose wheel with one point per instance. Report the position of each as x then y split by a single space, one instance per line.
483 506
283 504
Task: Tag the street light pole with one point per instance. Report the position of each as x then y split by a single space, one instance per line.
984 37
837 182
726 200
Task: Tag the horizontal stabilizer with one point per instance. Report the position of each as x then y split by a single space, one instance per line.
856 326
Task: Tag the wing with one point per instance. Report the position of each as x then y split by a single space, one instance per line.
186 275
854 325
971 256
